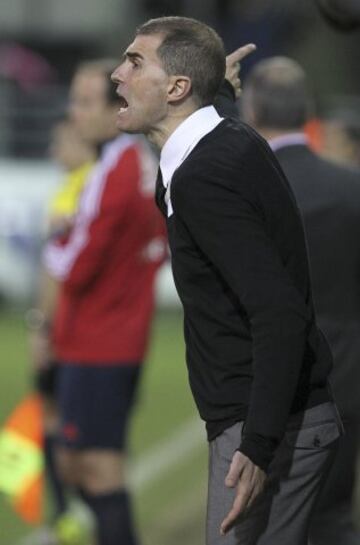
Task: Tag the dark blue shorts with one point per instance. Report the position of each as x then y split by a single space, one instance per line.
94 404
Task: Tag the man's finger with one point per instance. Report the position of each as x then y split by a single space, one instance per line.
238 507
236 67
240 53
236 467
255 493
232 478
237 89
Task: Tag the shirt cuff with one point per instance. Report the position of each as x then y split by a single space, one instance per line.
260 450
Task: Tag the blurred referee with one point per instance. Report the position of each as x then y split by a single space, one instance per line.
106 268
77 158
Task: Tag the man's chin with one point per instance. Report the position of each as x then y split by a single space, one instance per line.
127 127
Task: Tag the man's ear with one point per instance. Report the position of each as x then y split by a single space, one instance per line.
179 88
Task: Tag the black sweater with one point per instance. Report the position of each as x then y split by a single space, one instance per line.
241 270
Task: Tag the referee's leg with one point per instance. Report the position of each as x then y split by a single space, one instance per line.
281 514
45 384
95 404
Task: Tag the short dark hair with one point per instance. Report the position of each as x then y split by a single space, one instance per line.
193 49
104 67
276 93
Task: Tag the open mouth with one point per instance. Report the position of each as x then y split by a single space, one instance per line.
123 104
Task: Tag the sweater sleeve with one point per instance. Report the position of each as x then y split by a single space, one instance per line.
225 102
229 228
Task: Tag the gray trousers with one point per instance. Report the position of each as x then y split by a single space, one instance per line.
333 523
281 514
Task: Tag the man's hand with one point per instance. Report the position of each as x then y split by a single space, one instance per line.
233 66
249 481
40 349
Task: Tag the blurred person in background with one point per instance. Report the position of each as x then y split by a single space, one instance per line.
342 14
24 66
341 135
277 102
106 269
257 364
76 157
268 24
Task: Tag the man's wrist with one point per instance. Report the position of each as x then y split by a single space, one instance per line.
260 450
227 89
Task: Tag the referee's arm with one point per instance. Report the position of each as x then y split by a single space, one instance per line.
77 263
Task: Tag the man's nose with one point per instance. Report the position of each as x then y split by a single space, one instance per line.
116 75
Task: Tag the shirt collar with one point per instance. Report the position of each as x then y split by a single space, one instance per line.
185 137
290 139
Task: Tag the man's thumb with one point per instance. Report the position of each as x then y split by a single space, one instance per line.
233 476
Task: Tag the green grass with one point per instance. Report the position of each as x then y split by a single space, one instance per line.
15 371
164 403
164 399
170 510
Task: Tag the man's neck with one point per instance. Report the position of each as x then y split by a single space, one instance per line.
162 132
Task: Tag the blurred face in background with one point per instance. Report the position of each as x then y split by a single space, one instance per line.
93 115
68 148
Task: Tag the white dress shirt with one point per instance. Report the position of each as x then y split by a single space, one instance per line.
182 141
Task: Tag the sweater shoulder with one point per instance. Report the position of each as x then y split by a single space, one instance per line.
231 143
232 157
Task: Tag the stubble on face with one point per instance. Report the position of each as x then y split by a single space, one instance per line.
142 86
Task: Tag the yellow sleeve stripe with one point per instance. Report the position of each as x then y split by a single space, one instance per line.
66 200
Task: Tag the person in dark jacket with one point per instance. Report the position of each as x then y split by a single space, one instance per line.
258 365
277 102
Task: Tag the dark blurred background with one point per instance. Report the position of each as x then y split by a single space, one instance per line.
41 41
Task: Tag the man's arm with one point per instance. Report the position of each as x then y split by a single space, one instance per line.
230 90
39 321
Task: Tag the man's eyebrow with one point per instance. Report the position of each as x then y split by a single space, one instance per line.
132 55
